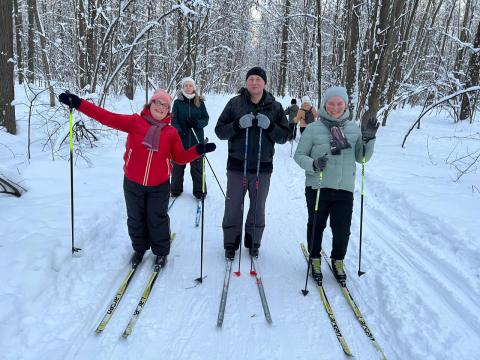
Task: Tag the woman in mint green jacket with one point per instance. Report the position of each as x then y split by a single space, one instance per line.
327 151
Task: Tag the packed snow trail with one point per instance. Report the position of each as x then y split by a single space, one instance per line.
418 295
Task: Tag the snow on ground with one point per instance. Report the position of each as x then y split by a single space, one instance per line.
420 253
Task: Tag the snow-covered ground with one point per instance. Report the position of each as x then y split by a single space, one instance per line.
421 255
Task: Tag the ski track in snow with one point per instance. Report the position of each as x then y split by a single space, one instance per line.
419 301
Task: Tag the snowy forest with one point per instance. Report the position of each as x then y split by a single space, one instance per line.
411 65
386 53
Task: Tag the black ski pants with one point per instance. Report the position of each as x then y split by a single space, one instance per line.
178 172
148 221
336 204
232 218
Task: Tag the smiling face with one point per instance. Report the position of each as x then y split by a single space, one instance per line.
188 88
255 85
335 106
159 109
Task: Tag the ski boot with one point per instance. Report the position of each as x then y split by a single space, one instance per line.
230 254
339 271
253 252
136 258
317 271
160 262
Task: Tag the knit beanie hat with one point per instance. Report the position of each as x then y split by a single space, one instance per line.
336 91
161 94
294 101
306 100
189 80
257 70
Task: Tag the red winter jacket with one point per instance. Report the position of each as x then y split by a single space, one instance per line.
143 166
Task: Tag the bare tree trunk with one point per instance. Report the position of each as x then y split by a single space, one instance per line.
46 64
284 54
91 41
399 59
82 36
351 52
463 36
18 37
381 57
147 53
319 51
7 111
128 87
472 78
31 44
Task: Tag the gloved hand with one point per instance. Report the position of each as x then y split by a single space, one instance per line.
263 121
203 148
320 163
191 123
246 121
369 129
70 99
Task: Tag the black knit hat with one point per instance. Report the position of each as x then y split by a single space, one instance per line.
257 70
294 101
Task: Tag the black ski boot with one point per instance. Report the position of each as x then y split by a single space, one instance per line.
339 271
160 261
229 254
253 252
317 270
136 258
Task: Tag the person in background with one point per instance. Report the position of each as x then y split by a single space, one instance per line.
291 112
151 143
189 117
331 147
254 109
306 114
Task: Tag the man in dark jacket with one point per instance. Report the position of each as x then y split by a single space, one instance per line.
254 111
291 112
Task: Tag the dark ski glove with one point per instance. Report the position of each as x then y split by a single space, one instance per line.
203 148
320 163
369 129
70 99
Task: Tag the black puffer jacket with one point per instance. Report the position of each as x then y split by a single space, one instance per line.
234 110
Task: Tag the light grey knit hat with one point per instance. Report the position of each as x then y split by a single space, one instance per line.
335 91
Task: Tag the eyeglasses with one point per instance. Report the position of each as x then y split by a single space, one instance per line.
159 103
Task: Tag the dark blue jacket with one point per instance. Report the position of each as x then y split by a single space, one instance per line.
189 119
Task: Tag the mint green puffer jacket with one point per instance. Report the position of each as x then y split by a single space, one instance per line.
340 171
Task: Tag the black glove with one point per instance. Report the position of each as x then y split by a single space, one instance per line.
71 100
320 163
203 148
369 129
191 123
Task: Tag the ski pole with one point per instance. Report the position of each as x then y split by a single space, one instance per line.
200 279
245 186
312 236
257 185
360 272
74 249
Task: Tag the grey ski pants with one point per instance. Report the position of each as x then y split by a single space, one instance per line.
232 218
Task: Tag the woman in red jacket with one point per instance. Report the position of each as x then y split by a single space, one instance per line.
151 145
